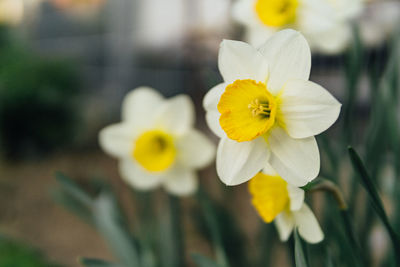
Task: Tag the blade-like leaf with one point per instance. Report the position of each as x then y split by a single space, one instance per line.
72 197
202 261
348 228
298 251
329 260
369 186
73 189
109 225
214 229
176 232
88 262
353 69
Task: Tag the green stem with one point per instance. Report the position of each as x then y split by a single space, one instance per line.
210 217
333 189
353 70
146 227
348 228
330 187
177 233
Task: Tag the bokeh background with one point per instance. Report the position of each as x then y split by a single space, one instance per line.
65 66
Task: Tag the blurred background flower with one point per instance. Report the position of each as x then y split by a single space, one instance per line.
325 23
11 12
157 144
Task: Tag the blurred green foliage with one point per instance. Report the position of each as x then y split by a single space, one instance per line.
37 96
14 254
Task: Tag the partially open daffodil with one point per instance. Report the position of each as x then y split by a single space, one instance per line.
267 112
156 143
276 200
325 23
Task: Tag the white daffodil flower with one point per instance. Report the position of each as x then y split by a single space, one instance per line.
325 23
267 112
156 143
276 200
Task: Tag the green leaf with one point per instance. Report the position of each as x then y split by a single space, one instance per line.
148 235
97 263
202 261
356 253
16 254
328 260
369 186
176 232
103 212
73 189
298 251
210 217
367 182
71 196
109 224
353 69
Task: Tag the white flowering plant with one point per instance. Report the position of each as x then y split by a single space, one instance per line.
273 124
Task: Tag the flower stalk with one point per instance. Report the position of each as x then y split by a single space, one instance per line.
176 228
334 190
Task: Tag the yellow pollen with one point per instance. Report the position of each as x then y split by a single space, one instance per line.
248 110
276 13
258 108
269 195
154 150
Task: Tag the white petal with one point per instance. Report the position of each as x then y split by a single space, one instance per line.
315 16
296 196
210 103
243 12
238 60
307 109
284 223
268 170
296 160
289 58
181 182
137 177
176 115
327 27
308 225
258 34
332 41
212 119
117 140
139 105
239 162
211 99
195 150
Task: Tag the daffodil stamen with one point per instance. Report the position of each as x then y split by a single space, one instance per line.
258 108
247 109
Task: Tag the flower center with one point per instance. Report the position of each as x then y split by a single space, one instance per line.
269 195
258 108
276 13
154 150
247 110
